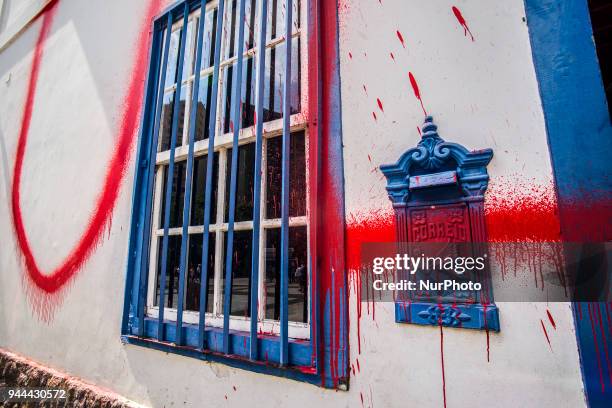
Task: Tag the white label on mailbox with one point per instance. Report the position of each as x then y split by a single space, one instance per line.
436 179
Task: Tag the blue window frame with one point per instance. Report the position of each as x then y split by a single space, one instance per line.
233 230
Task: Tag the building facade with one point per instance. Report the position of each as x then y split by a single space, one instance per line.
108 112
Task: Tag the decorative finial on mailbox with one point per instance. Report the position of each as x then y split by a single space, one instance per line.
435 162
429 128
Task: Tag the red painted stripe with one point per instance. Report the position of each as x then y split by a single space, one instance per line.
52 282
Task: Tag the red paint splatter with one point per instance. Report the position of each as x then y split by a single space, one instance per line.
350 55
552 321
369 158
374 116
45 284
442 362
596 344
380 105
365 89
361 395
462 21
419 130
234 387
546 334
400 38
417 92
392 56
604 341
358 366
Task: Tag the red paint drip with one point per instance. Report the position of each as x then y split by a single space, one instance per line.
604 341
442 363
417 92
401 38
546 334
462 21
552 321
380 105
51 283
596 344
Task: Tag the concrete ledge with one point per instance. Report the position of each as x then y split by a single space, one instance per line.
18 371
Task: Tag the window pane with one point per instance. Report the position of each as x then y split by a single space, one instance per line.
166 120
210 31
276 18
273 87
177 198
199 186
204 105
189 51
298 280
175 40
297 176
194 272
241 272
172 268
244 182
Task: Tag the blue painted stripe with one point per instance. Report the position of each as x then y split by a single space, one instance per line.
143 155
170 178
261 64
189 174
237 120
209 171
284 312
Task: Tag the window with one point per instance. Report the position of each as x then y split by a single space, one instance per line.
221 239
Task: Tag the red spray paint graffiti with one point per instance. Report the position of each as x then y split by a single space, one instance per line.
462 21
45 287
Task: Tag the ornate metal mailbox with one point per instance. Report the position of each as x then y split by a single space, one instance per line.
437 190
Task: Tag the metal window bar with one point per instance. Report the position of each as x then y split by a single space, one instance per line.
284 301
170 175
209 173
237 121
189 176
151 177
261 63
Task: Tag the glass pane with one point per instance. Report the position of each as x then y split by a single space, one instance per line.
298 279
194 272
297 176
204 104
273 86
210 31
199 186
166 121
175 40
244 182
276 18
172 268
241 272
189 50
247 88
177 198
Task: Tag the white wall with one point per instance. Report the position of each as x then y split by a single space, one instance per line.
482 94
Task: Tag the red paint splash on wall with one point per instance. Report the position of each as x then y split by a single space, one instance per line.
550 318
380 105
462 21
400 37
45 287
417 92
545 334
392 56
442 362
